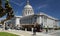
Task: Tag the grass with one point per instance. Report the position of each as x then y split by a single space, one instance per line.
7 34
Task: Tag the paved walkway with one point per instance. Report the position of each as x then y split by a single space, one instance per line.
25 33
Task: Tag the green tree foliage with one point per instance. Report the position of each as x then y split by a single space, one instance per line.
8 10
2 10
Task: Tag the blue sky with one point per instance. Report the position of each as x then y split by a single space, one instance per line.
50 7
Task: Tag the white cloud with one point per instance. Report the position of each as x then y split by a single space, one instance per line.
17 3
42 6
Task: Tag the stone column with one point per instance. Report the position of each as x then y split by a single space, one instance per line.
4 26
32 29
25 29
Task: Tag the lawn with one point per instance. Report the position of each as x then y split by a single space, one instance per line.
7 34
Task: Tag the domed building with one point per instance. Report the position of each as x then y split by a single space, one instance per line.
28 10
29 19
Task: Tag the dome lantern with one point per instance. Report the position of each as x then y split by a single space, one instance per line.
27 2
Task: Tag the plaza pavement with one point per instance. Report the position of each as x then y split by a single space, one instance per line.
25 33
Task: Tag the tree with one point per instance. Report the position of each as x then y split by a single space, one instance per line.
9 10
2 10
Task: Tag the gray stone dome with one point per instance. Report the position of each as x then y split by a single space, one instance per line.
28 10
28 6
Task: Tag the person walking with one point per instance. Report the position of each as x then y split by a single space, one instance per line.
47 29
34 31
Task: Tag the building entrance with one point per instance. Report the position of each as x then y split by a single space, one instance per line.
29 27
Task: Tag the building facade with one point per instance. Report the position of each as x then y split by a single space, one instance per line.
28 19
40 19
14 21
